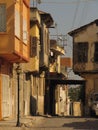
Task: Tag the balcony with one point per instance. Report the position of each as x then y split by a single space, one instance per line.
14 42
59 50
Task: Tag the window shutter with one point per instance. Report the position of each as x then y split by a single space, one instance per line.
33 46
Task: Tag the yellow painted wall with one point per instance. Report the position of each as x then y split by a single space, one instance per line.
34 61
34 31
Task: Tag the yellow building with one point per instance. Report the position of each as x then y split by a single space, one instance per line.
14 48
36 68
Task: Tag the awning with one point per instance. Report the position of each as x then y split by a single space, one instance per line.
56 78
67 81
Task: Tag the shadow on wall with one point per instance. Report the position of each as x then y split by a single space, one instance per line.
33 106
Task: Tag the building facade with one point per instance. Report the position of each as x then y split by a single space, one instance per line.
14 48
52 90
35 69
85 57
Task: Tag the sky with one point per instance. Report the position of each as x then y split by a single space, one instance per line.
69 15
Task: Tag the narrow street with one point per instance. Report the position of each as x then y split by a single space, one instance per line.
48 64
63 123
54 123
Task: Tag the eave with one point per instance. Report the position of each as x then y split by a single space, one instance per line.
86 72
73 32
47 18
58 50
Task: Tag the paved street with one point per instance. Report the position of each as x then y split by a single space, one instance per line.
52 123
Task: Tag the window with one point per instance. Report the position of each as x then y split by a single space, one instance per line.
82 52
25 34
25 23
2 17
17 23
34 47
96 52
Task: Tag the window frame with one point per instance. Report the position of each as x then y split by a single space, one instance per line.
82 52
96 52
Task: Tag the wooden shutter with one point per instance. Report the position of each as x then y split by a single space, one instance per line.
33 46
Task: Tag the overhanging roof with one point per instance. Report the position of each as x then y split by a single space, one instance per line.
67 81
59 78
82 27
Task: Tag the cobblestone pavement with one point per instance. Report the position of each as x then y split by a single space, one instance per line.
51 123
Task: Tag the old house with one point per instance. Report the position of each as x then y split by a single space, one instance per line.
85 57
52 90
35 70
14 48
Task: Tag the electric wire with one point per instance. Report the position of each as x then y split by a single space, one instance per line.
83 15
75 14
76 10
67 2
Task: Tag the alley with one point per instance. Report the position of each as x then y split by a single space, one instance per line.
47 76
54 123
63 123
